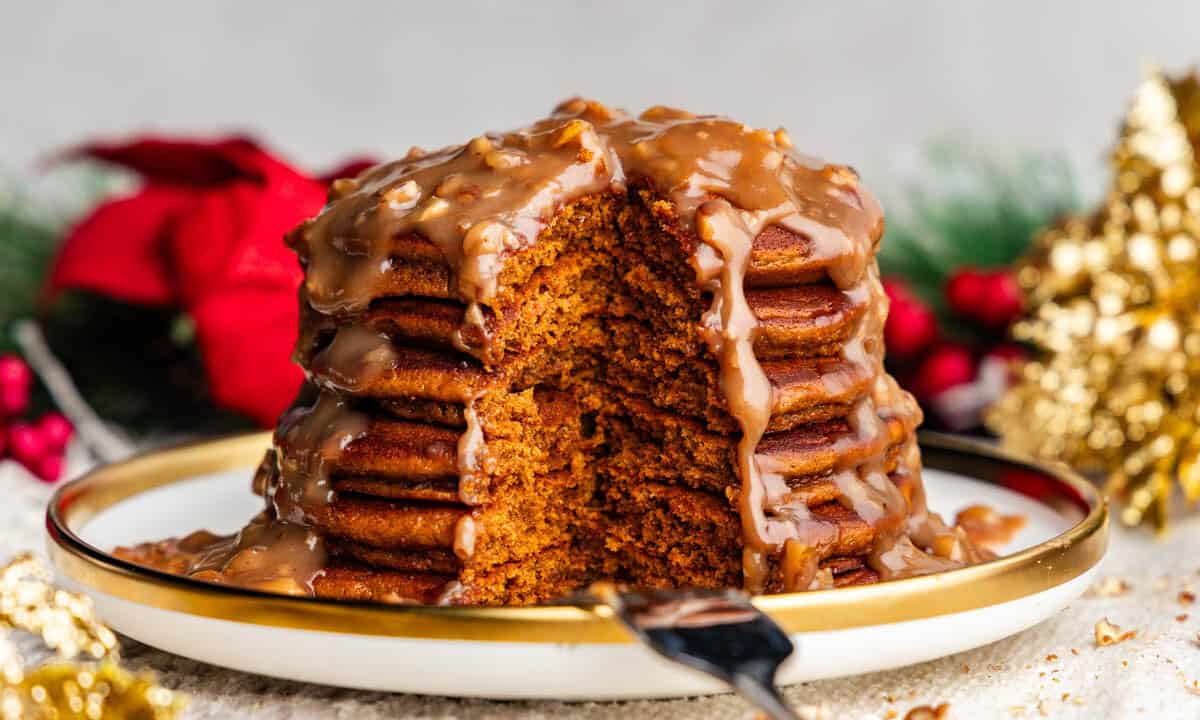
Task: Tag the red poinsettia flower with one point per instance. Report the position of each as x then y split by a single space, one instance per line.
205 233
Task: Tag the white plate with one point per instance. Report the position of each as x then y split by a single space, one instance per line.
561 652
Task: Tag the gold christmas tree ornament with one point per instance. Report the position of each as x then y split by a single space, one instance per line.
1112 309
85 680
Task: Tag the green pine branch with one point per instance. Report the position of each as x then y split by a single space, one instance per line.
970 208
32 223
26 247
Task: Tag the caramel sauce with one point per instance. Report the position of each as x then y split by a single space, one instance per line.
354 358
985 526
267 554
309 438
472 484
481 202
465 532
277 550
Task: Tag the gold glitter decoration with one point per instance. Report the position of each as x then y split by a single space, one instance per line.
1112 304
85 681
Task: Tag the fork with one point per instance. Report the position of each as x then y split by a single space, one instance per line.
718 632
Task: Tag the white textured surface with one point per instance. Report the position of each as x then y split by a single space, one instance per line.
1151 676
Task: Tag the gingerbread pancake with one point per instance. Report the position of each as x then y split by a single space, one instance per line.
598 347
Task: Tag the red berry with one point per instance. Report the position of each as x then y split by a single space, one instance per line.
897 290
14 399
966 292
49 468
26 443
14 371
1003 300
1007 352
911 327
3 440
945 367
56 430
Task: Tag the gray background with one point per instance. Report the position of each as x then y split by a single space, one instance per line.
856 82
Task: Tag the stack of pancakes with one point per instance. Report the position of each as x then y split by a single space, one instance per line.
573 421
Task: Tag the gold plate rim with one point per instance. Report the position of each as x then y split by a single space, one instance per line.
1025 573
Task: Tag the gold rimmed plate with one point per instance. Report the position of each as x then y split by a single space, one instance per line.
567 652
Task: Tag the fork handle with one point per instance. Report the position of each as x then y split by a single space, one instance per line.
763 694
